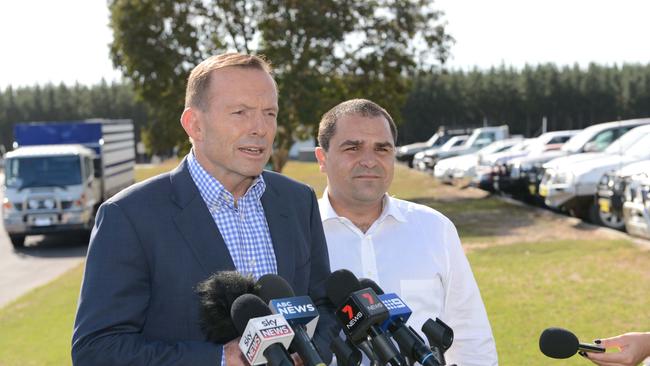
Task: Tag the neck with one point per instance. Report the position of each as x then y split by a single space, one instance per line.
362 215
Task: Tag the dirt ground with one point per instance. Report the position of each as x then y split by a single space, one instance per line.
508 221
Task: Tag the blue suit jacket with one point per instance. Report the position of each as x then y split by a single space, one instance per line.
154 242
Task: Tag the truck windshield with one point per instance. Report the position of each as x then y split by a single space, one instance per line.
43 171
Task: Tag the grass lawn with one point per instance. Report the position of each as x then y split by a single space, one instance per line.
596 288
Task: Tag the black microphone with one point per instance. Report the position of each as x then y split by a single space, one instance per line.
561 343
216 295
440 337
264 336
361 312
409 342
299 311
346 353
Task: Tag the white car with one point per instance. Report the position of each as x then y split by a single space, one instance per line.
422 160
571 182
445 169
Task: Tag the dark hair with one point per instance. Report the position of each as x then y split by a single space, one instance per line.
199 79
362 107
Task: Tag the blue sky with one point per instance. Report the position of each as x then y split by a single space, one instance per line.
67 40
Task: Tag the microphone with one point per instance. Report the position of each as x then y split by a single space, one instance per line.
298 311
346 353
361 312
264 336
216 295
440 337
561 343
410 343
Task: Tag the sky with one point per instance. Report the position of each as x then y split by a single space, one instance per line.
67 41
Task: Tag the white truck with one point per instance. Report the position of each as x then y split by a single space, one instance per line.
60 172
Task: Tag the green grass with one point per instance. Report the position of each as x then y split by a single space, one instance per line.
594 288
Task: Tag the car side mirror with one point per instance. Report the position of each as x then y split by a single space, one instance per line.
591 147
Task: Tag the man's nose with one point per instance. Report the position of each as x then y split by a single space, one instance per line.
259 125
368 159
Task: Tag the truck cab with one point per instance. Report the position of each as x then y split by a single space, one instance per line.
49 187
60 172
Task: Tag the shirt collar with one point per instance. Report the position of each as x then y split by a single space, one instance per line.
390 208
213 192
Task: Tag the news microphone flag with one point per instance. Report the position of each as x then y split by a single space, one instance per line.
262 332
297 310
397 309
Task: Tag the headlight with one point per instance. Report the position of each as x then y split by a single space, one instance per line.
402 150
562 178
32 204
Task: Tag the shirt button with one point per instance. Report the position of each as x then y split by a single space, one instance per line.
252 262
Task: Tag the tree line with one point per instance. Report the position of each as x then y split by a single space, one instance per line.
568 97
68 103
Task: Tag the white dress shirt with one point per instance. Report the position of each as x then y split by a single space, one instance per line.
414 251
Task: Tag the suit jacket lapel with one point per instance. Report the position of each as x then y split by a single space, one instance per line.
278 219
195 223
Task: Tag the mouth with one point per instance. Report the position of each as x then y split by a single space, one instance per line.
252 150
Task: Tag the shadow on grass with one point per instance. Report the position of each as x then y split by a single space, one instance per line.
484 217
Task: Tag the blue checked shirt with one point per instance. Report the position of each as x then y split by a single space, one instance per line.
243 227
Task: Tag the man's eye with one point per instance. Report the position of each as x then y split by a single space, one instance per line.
352 148
238 112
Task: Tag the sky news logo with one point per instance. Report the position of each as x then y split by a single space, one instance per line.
278 331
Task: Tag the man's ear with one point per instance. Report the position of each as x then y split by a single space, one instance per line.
192 124
321 156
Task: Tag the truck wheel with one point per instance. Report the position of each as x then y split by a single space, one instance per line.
18 241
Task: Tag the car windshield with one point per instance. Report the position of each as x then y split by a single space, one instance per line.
434 140
43 171
640 148
576 142
624 142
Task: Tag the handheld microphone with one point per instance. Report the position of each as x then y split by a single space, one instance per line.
299 312
410 343
440 337
361 312
561 343
264 337
216 295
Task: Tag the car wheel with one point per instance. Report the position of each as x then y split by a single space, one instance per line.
606 219
18 241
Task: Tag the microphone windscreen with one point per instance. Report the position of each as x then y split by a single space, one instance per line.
558 343
246 307
271 286
367 282
340 284
216 295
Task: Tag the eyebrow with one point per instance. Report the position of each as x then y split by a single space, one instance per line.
384 144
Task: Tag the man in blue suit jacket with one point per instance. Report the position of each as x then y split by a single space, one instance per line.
154 242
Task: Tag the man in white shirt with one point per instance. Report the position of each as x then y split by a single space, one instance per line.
406 248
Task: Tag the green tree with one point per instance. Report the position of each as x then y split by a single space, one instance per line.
322 50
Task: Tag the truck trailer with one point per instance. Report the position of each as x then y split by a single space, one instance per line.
60 172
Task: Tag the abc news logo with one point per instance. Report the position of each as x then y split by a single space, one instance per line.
289 308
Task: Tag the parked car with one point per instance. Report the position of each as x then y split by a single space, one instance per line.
636 208
458 166
570 183
422 160
480 138
495 174
611 191
526 173
406 153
